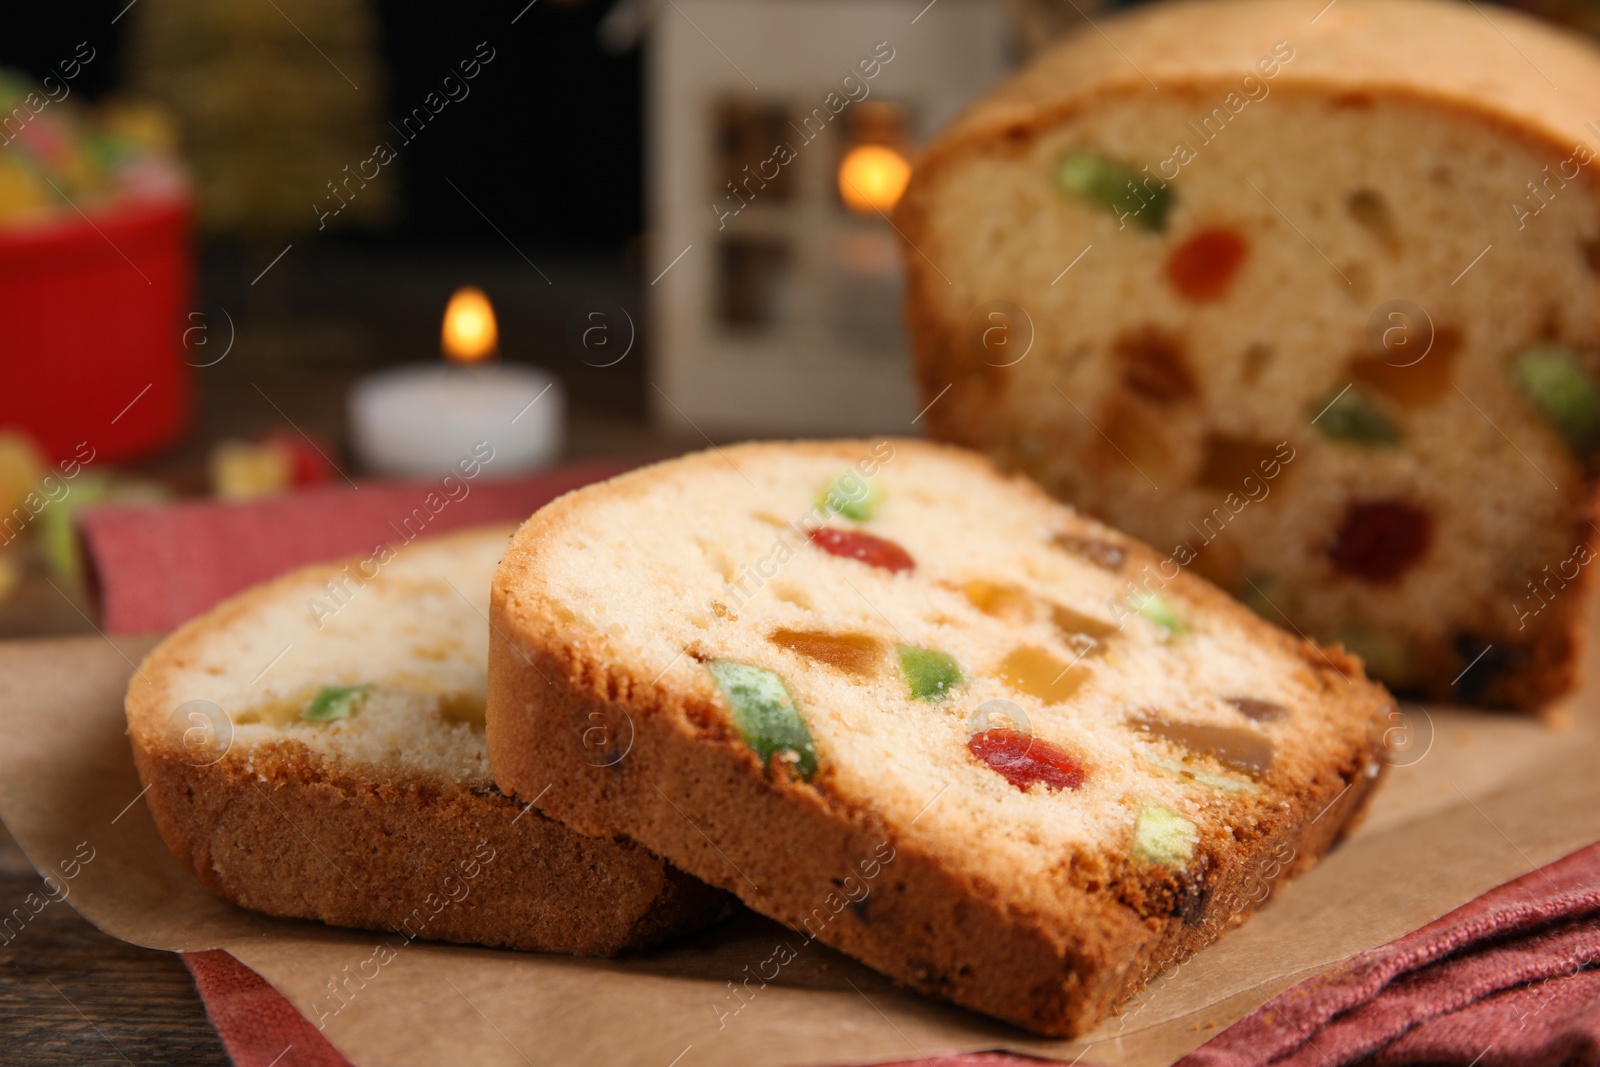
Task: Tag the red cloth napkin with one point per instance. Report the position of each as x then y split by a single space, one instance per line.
154 568
1512 977
257 1024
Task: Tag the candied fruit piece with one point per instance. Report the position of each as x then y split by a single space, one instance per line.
1112 185
1104 554
1565 393
1412 383
334 702
1023 759
1034 671
1013 603
1210 781
1259 710
1371 211
873 551
930 673
1202 268
1000 599
1132 435
1350 416
1159 610
463 707
854 496
1379 540
1229 460
765 714
1162 836
1243 750
1076 628
1153 366
854 654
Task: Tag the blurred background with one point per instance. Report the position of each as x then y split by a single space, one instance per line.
257 245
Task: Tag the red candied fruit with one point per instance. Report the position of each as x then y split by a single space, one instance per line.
873 551
1203 267
1023 759
1380 540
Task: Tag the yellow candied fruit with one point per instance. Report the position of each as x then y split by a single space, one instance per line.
1417 380
278 712
1037 673
462 707
854 654
999 599
1074 625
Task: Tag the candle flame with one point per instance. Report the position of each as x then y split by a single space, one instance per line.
872 177
470 334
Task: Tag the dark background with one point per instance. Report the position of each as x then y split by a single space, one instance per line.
554 142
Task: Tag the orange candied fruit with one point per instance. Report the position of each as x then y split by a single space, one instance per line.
854 654
1203 267
1034 671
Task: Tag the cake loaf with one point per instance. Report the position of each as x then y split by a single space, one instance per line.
315 748
1309 297
920 712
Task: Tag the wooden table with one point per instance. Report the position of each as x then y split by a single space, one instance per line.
72 995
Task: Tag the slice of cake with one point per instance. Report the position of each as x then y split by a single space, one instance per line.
915 709
1309 293
315 748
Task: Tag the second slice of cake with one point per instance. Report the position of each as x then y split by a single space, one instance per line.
314 748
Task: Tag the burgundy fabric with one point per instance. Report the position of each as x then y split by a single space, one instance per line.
1507 978
153 568
1510 978
257 1024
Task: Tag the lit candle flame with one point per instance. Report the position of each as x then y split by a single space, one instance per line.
470 334
872 177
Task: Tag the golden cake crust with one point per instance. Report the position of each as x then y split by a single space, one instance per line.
1055 960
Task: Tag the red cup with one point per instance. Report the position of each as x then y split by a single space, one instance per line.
91 325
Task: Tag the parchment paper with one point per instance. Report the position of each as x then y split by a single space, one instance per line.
1482 798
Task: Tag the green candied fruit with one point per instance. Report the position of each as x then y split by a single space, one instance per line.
1158 609
1565 394
1112 185
1161 835
931 674
854 496
335 702
766 715
1350 416
1210 781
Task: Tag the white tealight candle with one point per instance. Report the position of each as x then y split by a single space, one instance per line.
428 419
423 419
